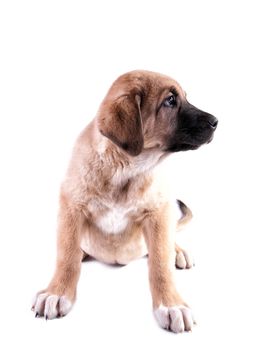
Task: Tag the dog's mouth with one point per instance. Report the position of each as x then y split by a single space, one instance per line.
210 139
183 147
189 144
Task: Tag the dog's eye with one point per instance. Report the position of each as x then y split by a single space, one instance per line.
170 101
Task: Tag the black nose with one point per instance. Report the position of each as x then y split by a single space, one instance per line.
213 122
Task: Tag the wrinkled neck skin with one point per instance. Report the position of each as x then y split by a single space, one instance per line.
140 165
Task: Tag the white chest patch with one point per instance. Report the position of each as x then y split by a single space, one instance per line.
113 221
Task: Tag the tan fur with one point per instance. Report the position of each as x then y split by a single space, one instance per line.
111 173
161 249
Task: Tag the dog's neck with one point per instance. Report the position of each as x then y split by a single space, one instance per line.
141 165
122 166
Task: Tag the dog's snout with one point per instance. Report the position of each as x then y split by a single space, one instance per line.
213 122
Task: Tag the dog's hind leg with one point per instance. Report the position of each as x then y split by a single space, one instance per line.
183 259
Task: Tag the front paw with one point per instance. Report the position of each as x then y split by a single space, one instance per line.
50 305
176 318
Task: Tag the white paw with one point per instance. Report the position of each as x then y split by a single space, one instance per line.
183 260
51 306
176 318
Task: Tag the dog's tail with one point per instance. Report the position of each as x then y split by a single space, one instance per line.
186 215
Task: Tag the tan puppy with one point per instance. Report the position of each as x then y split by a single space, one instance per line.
110 205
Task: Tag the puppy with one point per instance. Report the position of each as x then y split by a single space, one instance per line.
111 207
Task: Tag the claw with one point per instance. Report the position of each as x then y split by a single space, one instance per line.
37 314
46 318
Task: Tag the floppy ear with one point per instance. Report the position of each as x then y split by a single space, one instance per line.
120 121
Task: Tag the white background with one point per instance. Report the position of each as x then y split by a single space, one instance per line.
58 58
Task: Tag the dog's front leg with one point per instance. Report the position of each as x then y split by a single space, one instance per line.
170 310
57 299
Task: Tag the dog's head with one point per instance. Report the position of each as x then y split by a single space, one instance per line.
146 110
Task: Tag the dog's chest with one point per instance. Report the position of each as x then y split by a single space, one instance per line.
112 213
114 220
